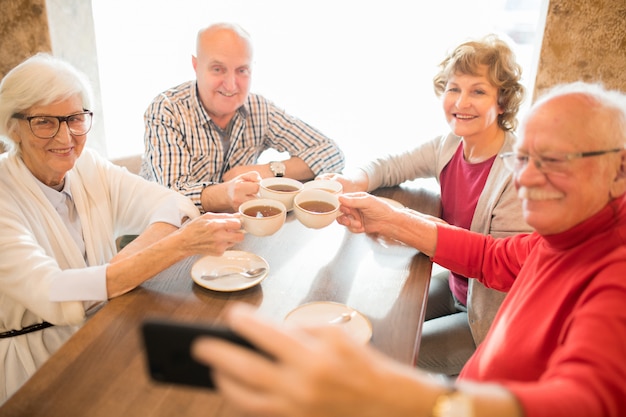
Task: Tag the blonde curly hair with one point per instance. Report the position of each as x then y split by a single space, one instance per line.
503 72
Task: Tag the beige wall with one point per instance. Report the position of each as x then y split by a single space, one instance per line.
583 40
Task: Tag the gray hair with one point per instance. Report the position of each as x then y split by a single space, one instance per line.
232 27
39 80
601 99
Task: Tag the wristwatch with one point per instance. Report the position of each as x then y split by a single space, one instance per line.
453 404
277 168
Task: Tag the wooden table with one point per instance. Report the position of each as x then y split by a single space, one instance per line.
101 370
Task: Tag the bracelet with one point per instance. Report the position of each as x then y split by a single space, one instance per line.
453 403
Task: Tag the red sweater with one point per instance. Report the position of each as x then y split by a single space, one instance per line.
558 341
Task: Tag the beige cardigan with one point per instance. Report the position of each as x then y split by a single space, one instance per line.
498 212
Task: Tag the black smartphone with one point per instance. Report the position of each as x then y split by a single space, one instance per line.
168 351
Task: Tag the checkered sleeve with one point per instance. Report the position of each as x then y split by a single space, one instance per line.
168 157
289 134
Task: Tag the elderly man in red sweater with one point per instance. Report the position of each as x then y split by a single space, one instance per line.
557 346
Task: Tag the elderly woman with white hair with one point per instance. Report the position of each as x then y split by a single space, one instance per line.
62 208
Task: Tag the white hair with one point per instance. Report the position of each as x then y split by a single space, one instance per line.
39 80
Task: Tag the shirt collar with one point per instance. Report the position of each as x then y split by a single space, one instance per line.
54 196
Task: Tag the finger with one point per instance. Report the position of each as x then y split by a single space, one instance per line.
251 176
355 200
215 216
231 223
240 363
250 401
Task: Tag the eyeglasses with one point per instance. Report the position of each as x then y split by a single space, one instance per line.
46 127
556 163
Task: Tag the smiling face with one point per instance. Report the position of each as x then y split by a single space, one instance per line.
50 159
222 67
470 103
553 202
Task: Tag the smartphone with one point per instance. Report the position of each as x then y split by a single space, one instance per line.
168 351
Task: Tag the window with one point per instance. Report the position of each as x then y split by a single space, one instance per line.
358 70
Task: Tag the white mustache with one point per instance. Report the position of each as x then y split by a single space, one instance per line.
538 194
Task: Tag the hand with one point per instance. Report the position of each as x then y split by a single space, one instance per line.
228 196
262 170
243 188
313 372
212 233
355 182
364 213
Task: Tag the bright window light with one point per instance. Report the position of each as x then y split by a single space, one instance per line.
358 70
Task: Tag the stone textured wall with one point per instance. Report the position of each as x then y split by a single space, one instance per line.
23 31
583 40
62 27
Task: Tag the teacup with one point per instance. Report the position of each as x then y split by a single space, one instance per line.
316 208
280 189
262 216
331 186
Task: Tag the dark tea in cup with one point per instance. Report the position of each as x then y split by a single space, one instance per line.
317 206
283 188
262 211
262 216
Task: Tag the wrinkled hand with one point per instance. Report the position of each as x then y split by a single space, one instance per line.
242 188
318 371
364 213
212 233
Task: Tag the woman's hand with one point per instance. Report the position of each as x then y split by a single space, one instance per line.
211 233
351 183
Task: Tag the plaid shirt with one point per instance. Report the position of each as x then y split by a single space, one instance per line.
184 150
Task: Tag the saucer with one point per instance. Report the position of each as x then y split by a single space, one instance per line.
324 312
231 261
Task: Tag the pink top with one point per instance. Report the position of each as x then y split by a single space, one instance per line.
558 341
461 185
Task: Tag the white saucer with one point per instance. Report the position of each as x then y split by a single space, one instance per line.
231 261
324 312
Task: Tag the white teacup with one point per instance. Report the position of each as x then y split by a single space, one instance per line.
316 208
281 189
331 186
262 216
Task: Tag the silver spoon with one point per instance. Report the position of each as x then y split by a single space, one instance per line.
250 273
343 318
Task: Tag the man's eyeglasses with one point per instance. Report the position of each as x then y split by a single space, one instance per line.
555 163
46 127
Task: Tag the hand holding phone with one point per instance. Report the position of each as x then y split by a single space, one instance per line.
168 351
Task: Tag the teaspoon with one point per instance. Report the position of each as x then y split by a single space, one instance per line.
344 317
250 273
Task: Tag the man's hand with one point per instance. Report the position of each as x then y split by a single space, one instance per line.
228 196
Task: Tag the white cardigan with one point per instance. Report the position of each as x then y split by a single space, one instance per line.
35 244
